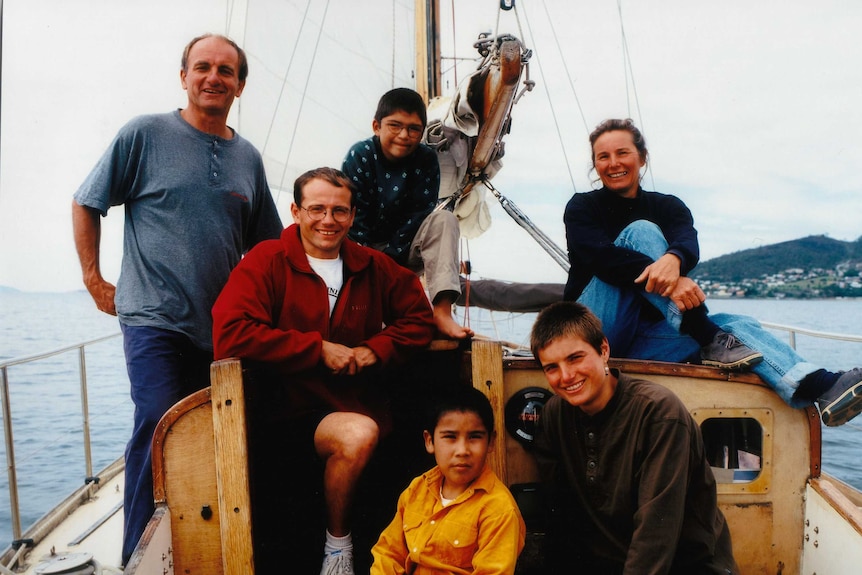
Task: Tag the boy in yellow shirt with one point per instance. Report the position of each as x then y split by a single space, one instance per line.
457 517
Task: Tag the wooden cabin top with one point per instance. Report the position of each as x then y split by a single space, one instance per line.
202 484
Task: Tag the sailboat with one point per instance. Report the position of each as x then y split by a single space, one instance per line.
786 515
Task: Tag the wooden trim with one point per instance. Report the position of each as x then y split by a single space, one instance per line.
815 439
160 434
487 376
850 492
839 502
154 552
655 368
443 345
231 457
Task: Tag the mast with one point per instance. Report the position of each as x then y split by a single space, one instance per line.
427 16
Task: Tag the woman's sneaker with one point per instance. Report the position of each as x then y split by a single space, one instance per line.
727 352
843 401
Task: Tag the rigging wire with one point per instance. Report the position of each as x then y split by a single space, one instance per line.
304 92
228 8
556 252
228 18
566 67
394 27
245 35
449 75
629 73
553 109
281 97
454 45
625 57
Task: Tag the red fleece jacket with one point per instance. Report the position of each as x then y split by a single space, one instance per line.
275 309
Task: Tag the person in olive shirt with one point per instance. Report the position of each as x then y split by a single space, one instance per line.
630 486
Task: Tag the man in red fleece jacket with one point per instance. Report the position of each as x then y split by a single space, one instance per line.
327 314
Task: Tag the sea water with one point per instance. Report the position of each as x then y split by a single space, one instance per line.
45 397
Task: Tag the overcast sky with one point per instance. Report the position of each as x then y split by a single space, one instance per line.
751 110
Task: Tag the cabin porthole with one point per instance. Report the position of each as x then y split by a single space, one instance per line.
738 446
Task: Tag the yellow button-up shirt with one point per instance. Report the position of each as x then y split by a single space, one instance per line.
481 532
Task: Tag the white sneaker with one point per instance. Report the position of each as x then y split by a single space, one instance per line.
339 562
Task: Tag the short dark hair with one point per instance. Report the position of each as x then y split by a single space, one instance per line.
566 318
331 175
242 71
460 398
403 99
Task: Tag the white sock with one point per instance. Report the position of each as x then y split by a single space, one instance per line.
334 543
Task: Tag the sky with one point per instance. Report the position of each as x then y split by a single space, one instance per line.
751 110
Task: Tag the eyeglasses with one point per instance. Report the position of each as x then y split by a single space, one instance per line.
395 128
339 213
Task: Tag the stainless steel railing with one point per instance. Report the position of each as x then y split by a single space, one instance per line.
80 348
793 331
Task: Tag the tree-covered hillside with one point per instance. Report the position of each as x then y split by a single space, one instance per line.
810 253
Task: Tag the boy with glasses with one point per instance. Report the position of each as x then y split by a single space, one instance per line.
398 180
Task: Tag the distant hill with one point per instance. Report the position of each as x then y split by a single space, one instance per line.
807 253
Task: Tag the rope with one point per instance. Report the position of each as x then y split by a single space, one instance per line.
514 7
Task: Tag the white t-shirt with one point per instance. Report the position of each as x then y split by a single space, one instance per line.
332 274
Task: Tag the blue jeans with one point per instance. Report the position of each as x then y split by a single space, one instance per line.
632 336
164 367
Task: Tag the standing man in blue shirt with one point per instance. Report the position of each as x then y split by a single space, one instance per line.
195 198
